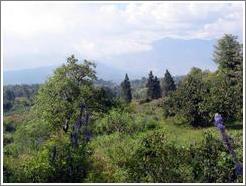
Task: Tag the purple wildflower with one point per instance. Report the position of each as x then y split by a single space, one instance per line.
218 118
218 122
220 126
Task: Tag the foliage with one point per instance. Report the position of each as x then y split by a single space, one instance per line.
211 162
78 130
156 160
123 122
153 85
168 84
55 162
228 55
126 90
18 96
61 96
202 94
163 161
188 100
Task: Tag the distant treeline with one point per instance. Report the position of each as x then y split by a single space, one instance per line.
14 95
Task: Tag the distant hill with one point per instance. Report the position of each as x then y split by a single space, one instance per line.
27 76
176 55
39 75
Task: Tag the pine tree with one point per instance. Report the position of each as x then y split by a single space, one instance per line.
228 55
126 90
157 88
150 86
168 84
153 87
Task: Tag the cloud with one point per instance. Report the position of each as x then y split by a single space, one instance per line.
102 30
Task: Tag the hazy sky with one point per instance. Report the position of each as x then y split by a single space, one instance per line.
39 34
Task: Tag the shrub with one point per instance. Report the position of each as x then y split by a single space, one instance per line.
157 160
115 121
110 154
64 164
211 162
123 122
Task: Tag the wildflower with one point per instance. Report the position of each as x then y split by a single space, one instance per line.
218 122
218 118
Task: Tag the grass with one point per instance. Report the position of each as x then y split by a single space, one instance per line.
178 130
112 153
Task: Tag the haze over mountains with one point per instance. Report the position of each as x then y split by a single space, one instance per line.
176 55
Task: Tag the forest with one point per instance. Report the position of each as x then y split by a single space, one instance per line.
76 128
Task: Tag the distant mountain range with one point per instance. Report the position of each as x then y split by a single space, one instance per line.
39 75
176 55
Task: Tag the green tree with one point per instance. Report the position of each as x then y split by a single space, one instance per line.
8 99
202 94
150 86
153 87
64 107
228 55
168 84
189 99
59 100
126 90
193 92
157 88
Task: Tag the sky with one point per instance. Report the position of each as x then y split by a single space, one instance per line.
39 34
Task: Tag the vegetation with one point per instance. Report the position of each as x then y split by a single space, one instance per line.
153 87
75 128
201 94
18 97
168 84
126 90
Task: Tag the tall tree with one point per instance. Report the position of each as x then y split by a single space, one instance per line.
228 55
68 93
126 90
157 88
188 99
168 84
150 86
153 87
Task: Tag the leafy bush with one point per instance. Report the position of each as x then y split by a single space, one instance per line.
110 154
211 162
157 160
56 161
123 122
